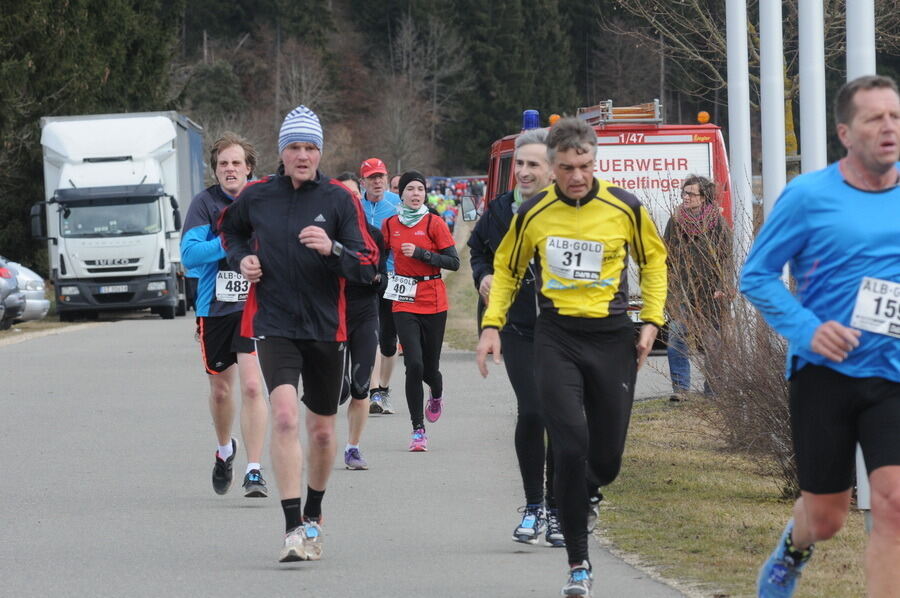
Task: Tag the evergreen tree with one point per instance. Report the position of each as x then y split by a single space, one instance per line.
75 57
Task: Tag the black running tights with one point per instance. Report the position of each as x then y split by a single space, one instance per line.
421 336
586 382
518 357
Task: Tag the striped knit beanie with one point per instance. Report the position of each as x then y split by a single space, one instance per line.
300 125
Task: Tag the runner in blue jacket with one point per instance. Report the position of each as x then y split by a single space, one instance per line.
839 229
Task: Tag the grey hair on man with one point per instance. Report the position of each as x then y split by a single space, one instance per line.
532 136
571 133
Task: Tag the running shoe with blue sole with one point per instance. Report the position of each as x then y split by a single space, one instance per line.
580 581
532 525
779 575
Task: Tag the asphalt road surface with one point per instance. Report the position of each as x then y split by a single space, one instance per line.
107 451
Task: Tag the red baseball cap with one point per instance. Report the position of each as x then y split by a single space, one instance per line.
372 166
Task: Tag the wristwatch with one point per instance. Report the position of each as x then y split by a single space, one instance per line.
336 248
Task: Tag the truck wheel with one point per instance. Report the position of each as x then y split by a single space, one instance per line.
181 309
167 312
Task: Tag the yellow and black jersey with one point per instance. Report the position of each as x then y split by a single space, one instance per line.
580 249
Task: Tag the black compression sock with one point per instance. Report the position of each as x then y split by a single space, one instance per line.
313 508
291 508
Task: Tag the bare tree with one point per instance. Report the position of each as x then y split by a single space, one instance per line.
694 36
304 79
401 120
432 62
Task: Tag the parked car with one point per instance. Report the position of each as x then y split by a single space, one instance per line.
11 297
31 284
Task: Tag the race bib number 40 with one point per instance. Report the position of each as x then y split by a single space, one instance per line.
877 307
401 288
574 259
231 287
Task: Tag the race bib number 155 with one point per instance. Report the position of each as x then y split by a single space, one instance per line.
877 307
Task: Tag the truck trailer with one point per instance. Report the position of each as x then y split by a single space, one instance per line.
115 186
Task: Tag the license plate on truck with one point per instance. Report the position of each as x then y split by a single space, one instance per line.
115 288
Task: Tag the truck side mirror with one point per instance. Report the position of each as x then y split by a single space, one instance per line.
38 221
468 208
176 213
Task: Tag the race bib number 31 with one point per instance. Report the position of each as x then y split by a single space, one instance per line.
231 287
401 288
877 307
574 259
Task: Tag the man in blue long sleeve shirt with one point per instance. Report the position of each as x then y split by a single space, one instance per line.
839 228
379 204
219 305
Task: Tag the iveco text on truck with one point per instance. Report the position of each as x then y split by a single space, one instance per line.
115 186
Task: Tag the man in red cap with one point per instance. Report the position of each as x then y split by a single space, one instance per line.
379 204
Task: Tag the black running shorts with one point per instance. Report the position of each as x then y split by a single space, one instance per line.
220 341
319 363
830 413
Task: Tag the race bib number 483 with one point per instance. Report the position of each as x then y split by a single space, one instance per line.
231 287
574 259
877 307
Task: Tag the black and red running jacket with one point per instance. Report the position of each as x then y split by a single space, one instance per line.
301 293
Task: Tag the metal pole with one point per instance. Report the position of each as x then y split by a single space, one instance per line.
771 57
861 61
739 126
812 86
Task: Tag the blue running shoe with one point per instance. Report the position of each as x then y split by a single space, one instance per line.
779 574
580 580
532 526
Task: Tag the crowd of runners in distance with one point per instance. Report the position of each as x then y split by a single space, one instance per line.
308 284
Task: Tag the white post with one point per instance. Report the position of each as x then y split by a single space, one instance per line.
771 58
861 61
812 86
739 126
860 38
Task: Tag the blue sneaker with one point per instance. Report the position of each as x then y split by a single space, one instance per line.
779 574
580 580
532 526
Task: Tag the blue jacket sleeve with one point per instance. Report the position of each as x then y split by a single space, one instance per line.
782 237
198 245
198 249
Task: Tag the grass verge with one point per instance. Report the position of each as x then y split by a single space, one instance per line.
461 332
692 512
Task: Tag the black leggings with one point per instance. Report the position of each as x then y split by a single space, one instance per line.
518 357
362 342
387 329
421 336
585 377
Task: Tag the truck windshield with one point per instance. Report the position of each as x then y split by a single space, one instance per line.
109 220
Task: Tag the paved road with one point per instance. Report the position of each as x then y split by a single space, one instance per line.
107 450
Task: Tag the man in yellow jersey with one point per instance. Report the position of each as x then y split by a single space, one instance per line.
580 232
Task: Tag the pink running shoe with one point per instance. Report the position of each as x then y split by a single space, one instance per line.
419 442
433 408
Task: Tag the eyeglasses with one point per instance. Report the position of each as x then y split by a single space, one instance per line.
689 194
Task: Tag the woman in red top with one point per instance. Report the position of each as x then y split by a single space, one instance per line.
422 245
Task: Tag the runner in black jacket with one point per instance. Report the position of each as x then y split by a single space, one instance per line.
309 239
532 172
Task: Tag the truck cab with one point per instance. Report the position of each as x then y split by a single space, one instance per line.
115 186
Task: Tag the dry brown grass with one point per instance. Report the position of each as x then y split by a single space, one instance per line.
695 511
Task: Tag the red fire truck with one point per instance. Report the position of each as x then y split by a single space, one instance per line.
637 151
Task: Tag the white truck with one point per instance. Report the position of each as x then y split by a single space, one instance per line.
115 186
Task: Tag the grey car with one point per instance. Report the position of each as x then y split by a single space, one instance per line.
11 297
31 284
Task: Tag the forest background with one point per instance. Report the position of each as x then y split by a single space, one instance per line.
420 83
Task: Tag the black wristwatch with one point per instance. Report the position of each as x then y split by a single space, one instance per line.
336 248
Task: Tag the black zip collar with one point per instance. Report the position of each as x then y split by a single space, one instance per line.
592 194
